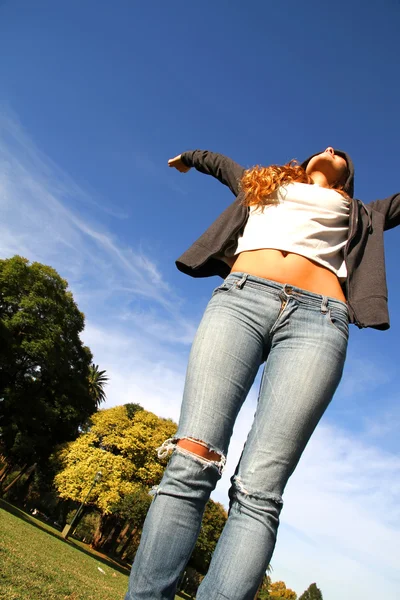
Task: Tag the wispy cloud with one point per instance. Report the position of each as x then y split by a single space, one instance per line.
134 322
363 375
340 523
38 221
388 423
344 500
140 368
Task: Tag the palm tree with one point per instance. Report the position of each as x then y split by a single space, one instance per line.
97 380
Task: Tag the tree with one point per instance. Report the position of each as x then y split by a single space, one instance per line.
44 367
97 381
279 591
123 448
312 593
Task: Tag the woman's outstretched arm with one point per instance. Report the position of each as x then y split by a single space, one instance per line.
390 208
219 166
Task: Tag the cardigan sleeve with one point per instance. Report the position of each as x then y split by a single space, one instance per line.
219 166
389 208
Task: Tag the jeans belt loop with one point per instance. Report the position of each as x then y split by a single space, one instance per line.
324 305
242 281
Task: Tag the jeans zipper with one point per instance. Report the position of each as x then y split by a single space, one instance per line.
283 306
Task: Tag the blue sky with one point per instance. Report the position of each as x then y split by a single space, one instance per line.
94 99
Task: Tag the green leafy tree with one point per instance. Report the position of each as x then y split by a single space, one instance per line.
44 367
312 593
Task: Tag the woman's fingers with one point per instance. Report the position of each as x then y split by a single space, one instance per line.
173 161
177 163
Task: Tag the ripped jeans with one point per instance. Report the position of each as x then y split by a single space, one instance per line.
302 337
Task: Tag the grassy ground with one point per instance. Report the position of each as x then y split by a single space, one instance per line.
36 564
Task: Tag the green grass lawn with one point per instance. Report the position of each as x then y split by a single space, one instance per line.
36 564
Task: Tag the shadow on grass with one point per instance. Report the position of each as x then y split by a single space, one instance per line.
109 562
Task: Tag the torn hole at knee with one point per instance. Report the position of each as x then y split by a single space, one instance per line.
260 496
199 448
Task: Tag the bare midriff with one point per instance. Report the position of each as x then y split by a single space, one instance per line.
285 267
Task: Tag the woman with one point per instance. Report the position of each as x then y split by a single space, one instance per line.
301 259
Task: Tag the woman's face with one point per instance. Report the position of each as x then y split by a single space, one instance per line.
333 166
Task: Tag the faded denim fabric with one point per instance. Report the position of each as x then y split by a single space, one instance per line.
303 339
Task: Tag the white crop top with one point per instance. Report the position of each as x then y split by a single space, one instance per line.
308 220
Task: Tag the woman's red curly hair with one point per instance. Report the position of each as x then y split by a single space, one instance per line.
258 183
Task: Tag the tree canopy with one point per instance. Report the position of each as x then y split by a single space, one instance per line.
279 591
44 366
312 593
123 448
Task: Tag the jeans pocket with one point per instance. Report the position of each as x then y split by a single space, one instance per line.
339 319
226 286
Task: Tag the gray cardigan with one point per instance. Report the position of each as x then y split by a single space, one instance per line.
365 287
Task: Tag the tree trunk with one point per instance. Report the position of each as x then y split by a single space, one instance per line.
108 532
62 510
97 533
110 542
125 539
4 471
122 534
102 530
17 478
23 490
124 549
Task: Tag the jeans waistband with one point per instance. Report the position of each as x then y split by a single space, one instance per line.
287 289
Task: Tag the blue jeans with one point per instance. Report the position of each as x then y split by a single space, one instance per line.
302 337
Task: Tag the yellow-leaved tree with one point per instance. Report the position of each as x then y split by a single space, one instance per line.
279 591
121 444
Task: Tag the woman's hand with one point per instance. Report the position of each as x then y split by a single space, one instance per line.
178 164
